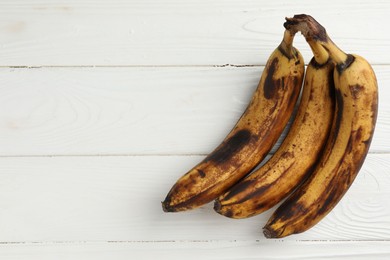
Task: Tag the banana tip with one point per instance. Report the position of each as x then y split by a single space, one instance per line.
166 207
217 206
220 209
269 232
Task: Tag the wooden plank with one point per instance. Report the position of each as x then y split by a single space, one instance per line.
208 250
89 111
193 32
114 198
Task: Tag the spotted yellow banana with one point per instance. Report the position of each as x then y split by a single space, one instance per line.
298 153
352 130
251 138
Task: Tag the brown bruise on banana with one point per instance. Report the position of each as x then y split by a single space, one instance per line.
271 86
338 119
229 148
202 174
356 90
249 141
259 191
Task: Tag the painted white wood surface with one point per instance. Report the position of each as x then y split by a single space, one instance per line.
194 250
116 198
173 32
103 104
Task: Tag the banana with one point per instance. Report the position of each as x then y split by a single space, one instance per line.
356 96
252 137
298 153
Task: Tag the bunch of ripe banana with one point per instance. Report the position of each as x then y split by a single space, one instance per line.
319 158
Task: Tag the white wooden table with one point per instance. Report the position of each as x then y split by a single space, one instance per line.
104 104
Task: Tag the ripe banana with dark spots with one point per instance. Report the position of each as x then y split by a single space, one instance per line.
251 138
356 95
299 152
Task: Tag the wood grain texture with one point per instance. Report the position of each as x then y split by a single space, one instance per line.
115 198
194 32
207 250
108 111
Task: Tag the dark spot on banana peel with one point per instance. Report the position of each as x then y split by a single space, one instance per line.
343 66
305 117
338 117
312 167
201 173
262 206
331 85
311 96
295 84
281 83
272 109
330 197
349 147
358 134
374 109
271 86
293 97
286 213
317 65
228 213
356 90
295 80
367 142
238 188
230 147
193 179
257 191
359 154
288 154
286 54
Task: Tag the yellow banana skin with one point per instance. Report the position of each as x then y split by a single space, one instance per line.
298 153
251 138
352 130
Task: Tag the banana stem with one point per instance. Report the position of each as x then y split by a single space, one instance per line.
287 43
321 56
337 55
315 32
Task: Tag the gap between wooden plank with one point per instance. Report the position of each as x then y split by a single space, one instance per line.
137 66
150 66
184 241
126 155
